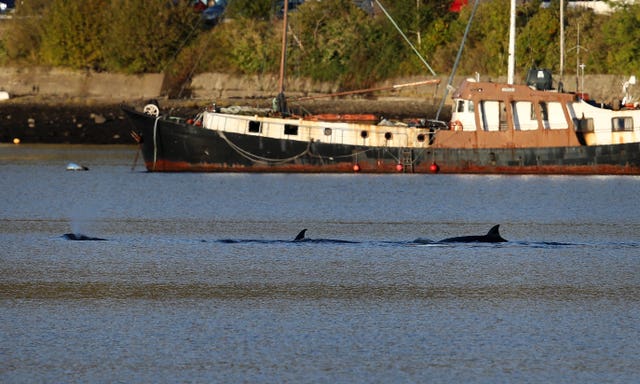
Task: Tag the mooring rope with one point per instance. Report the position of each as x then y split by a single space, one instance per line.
259 159
341 156
155 145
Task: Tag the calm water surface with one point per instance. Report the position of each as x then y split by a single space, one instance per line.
198 280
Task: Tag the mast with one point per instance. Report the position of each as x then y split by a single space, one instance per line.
457 61
283 53
561 39
280 101
512 43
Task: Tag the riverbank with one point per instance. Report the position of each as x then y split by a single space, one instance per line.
49 105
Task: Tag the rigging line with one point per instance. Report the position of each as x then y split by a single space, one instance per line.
155 145
195 65
386 150
340 156
457 61
259 159
197 24
406 38
184 42
420 152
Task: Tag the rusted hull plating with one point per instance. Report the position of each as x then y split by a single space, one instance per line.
170 146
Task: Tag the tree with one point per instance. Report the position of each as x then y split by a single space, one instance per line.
250 46
537 43
250 9
22 43
73 34
336 41
146 35
487 45
622 35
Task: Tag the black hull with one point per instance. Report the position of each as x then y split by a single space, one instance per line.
175 146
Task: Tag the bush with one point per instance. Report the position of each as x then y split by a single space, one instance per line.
146 35
74 33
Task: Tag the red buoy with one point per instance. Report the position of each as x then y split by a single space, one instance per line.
434 167
356 167
399 167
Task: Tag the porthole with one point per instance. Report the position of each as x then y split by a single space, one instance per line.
388 136
364 134
327 132
255 126
290 129
421 137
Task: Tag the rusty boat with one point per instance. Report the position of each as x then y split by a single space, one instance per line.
499 128
494 128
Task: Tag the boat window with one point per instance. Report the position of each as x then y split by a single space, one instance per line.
327 132
583 124
255 126
460 107
364 134
524 117
470 108
490 113
388 135
622 124
516 117
290 129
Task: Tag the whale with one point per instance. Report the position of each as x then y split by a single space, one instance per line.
80 237
300 235
493 236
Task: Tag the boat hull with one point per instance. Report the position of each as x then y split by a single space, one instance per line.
175 146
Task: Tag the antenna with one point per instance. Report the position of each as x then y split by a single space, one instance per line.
578 65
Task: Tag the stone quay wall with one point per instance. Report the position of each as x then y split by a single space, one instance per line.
109 87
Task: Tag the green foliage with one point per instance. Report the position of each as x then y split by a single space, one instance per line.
584 42
331 35
621 32
250 9
252 46
538 41
328 40
337 41
488 43
488 33
145 35
24 32
72 37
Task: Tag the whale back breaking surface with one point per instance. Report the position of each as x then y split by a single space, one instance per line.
80 237
493 236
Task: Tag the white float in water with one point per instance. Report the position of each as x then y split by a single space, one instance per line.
76 167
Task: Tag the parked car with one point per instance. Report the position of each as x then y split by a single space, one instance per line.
7 5
213 14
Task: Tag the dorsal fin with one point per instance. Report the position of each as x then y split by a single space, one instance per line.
494 233
300 235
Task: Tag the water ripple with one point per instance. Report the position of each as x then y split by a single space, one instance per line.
311 291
